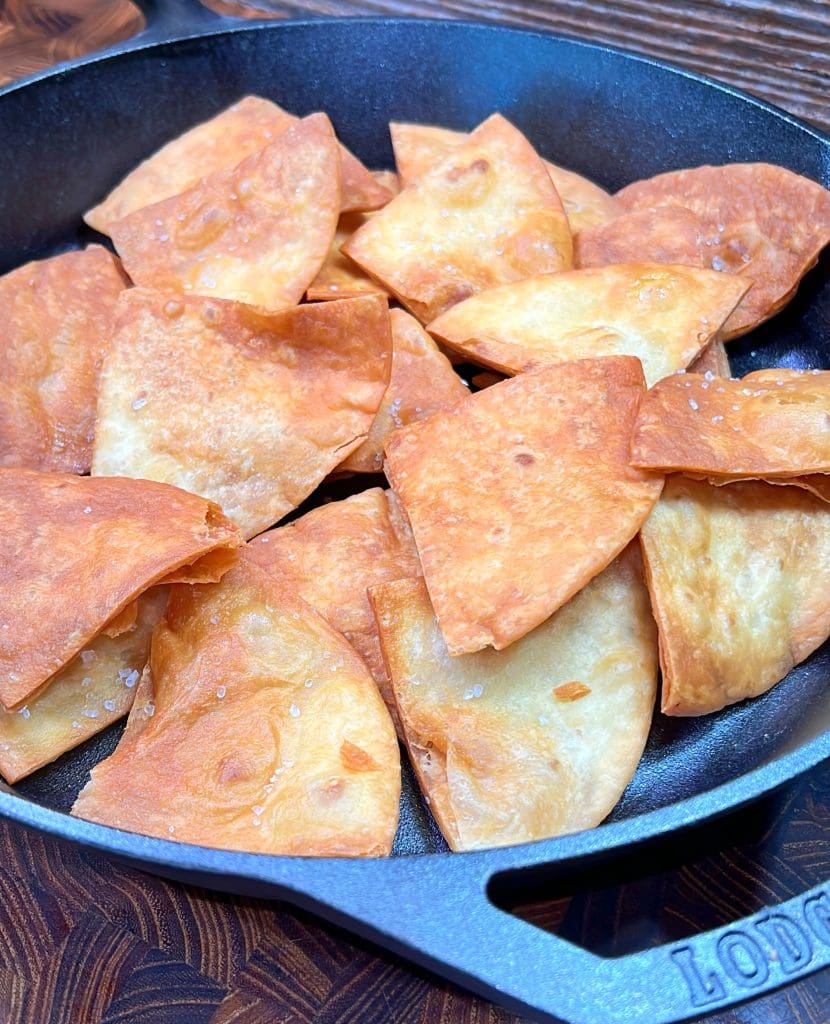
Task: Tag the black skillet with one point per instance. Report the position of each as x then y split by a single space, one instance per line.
70 134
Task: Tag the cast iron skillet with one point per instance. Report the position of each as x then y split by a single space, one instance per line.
70 134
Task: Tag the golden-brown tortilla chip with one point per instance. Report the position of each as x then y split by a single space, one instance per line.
94 690
340 277
422 382
667 234
663 315
389 180
248 408
55 319
739 578
76 551
217 145
761 426
521 494
266 732
331 555
760 220
536 741
484 215
418 147
713 359
257 233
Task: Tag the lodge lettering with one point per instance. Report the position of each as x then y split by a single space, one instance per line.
746 957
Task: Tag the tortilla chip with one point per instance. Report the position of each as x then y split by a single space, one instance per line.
55 318
389 180
484 215
78 550
218 145
257 233
760 220
94 690
486 379
713 359
522 494
418 147
815 483
266 732
536 741
739 578
667 234
422 382
331 555
248 408
761 426
340 277
663 315
123 621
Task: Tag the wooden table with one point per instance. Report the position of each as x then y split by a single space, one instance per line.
82 941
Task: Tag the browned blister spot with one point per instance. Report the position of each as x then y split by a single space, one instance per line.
571 691
355 758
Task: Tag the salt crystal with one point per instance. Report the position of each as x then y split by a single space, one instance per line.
149 709
87 657
473 691
90 713
87 510
717 419
294 711
693 403
25 712
138 403
109 705
220 693
86 681
131 679
709 375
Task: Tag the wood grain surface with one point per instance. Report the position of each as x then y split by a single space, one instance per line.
84 941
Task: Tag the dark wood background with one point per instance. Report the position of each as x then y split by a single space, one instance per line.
83 941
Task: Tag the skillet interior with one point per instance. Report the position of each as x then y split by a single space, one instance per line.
73 134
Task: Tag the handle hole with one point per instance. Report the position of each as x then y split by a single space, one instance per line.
703 879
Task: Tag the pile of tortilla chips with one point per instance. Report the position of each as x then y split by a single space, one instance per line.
546 544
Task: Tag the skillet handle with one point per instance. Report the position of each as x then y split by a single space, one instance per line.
437 912
175 19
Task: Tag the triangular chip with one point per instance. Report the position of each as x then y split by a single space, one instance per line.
739 578
667 234
77 550
484 215
331 555
55 319
265 732
663 315
536 741
712 360
762 221
422 383
340 277
418 147
94 690
217 145
761 426
257 233
522 494
248 408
